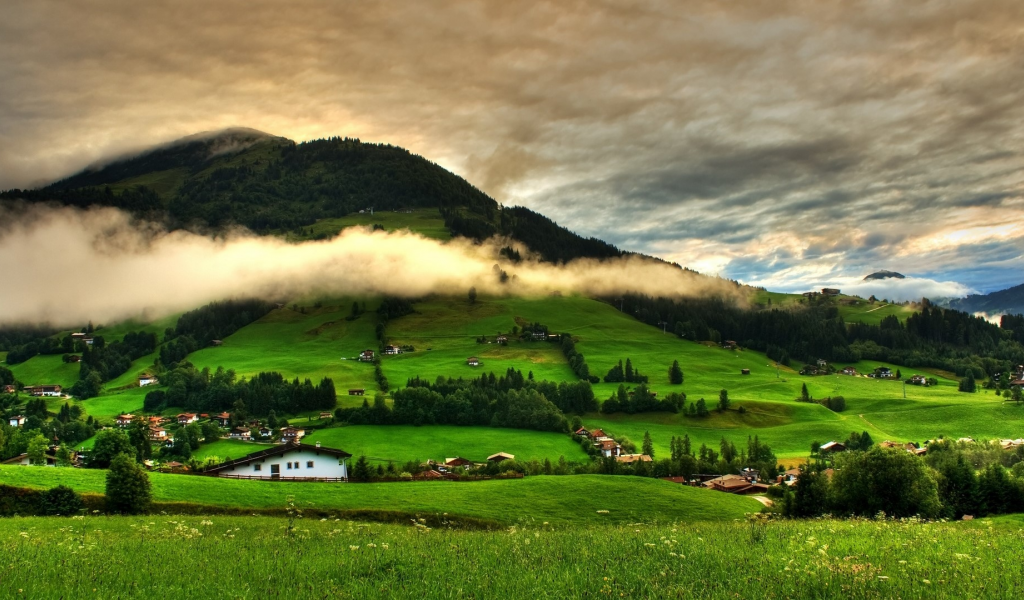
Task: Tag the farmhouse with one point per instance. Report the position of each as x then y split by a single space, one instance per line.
502 339
500 456
632 458
918 380
428 474
849 371
730 345
22 459
356 392
288 461
392 350
43 390
266 432
822 362
582 432
74 358
223 419
539 335
16 420
598 433
831 447
146 379
883 373
187 418
10 389
240 433
607 447
290 435
744 371
157 434
216 342
473 361
326 415
735 484
124 420
811 294
457 461
366 356
829 291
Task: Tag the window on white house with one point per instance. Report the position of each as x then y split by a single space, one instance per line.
257 467
309 464
289 465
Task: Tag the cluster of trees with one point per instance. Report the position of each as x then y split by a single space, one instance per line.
218 320
641 400
67 428
507 401
577 363
206 391
628 374
391 307
833 403
934 337
102 362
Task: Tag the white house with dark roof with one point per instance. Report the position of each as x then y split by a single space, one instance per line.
287 461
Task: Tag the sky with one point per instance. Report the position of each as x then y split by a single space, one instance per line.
788 144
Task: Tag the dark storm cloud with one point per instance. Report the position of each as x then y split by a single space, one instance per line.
855 132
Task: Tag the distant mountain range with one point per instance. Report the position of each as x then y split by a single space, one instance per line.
1009 301
884 275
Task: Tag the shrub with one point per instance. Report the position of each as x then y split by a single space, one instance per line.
60 500
128 488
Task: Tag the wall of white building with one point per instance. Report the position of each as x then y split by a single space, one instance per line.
324 465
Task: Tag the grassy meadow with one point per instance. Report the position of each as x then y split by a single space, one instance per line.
556 499
241 557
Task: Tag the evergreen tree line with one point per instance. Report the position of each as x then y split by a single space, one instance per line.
218 320
102 362
628 374
68 428
577 363
642 400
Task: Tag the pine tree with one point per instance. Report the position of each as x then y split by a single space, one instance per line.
128 488
629 371
723 401
648 445
675 374
805 396
361 470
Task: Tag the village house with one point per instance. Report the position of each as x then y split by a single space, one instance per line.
10 389
1011 444
356 392
22 459
82 337
848 371
147 379
124 420
157 434
473 361
582 432
918 380
428 475
632 458
366 356
43 390
326 415
291 435
882 373
822 362
500 456
829 291
265 432
607 447
16 420
458 461
216 342
240 433
828 447
392 350
288 461
597 434
502 339
730 345
187 418
223 419
74 358
539 336
788 477
744 371
735 484
811 294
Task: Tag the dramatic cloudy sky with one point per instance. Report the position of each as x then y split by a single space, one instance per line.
785 143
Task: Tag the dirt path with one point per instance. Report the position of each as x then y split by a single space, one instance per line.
763 500
876 308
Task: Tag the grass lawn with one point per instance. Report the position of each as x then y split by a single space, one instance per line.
565 499
872 313
402 443
46 369
228 449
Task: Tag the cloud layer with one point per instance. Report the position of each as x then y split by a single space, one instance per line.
66 266
747 139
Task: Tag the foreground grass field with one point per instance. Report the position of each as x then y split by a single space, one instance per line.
254 557
568 499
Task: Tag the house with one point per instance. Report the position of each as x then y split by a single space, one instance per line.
125 420
918 380
1017 383
883 373
187 418
356 392
848 371
74 358
473 361
889 444
216 342
539 336
811 294
17 420
829 292
730 345
428 475
82 337
582 432
458 461
326 415
500 456
22 459
266 432
822 362
502 339
632 458
291 435
288 461
608 447
223 419
157 434
734 484
598 433
788 477
744 371
10 389
43 390
366 356
146 379
392 350
240 433
831 447
1011 444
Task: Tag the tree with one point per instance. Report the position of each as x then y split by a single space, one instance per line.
109 443
211 432
60 500
472 295
675 374
37 448
648 445
63 456
967 384
138 435
361 470
884 480
805 396
702 408
723 401
128 488
1016 394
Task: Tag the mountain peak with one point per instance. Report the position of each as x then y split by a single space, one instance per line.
884 275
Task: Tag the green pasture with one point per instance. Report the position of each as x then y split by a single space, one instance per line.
402 443
424 221
556 499
872 313
46 369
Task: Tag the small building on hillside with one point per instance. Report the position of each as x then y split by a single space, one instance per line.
500 456
356 392
44 390
223 419
829 291
265 432
822 363
16 420
157 434
582 432
607 447
473 361
291 435
744 371
240 433
287 461
458 461
367 356
326 415
502 339
187 418
216 342
10 389
124 420
883 373
74 358
918 380
539 336
848 371
829 447
632 458
730 345
147 379
392 350
597 433
22 459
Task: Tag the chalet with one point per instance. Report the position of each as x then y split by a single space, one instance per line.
157 420
848 371
582 432
889 444
918 380
730 345
1017 383
356 392
502 339
10 389
43 390
811 294
367 356
1011 444
829 292
291 435
124 420
831 447
288 461
428 475
74 358
598 433
326 415
457 461
822 362
735 484
223 419
82 337
187 418
168 442
392 350
882 373
500 456
809 370
16 420
266 432
607 447
632 458
539 336
147 379
157 434
240 433
788 477
175 466
216 342
473 361
22 459
744 371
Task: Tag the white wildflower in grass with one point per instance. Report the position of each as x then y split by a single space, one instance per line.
926 582
206 523
384 546
603 512
353 548
371 545
883 578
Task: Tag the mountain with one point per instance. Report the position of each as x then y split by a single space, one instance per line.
272 184
884 275
1009 301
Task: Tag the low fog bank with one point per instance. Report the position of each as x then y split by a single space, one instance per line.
65 266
